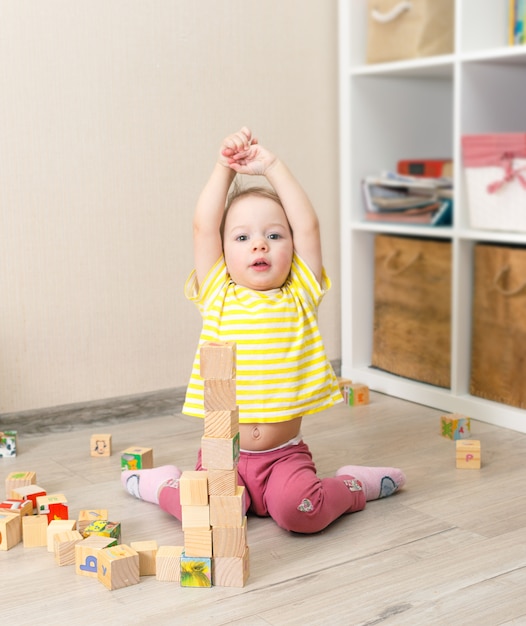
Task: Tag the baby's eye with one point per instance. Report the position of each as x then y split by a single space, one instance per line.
241 238
274 236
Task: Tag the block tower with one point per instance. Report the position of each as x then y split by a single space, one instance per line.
213 505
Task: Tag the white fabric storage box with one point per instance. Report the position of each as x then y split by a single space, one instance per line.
495 176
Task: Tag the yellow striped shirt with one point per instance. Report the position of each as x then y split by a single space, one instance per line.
282 369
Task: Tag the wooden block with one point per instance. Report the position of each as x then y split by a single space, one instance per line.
223 424
195 516
53 506
468 454
64 546
10 530
196 571
217 360
104 528
18 479
86 554
193 488
168 563
8 443
455 426
34 531
229 541
118 567
55 527
231 571
18 507
28 492
86 516
147 551
355 394
100 445
222 482
220 395
198 541
137 458
218 453
343 382
228 510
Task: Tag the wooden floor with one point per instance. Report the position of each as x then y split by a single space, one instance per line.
448 549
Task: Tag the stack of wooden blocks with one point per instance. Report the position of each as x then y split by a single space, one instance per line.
213 505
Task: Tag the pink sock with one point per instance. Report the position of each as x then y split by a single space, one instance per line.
145 484
377 482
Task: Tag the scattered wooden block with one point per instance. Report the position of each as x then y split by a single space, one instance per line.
53 506
10 530
217 360
8 443
104 528
195 516
196 571
230 541
34 531
55 527
118 567
222 482
355 394
100 445
137 458
468 454
219 453
18 479
220 395
343 382
87 516
28 492
168 563
64 546
86 554
228 510
231 571
193 488
18 507
455 426
223 424
147 551
198 542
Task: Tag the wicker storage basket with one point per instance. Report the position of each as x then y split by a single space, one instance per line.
412 308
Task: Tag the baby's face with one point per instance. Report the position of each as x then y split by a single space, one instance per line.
257 243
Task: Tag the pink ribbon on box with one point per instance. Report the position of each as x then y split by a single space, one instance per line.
509 174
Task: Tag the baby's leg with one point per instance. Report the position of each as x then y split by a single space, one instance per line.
377 482
146 484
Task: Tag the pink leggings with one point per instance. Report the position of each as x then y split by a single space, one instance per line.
283 484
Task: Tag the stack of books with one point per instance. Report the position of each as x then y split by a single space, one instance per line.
394 197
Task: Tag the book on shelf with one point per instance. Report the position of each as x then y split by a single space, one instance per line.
516 22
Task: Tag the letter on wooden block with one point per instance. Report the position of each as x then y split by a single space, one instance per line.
196 571
193 488
455 426
137 458
34 531
223 424
64 546
147 551
228 510
168 563
220 395
18 479
468 454
231 571
10 530
218 360
198 541
86 554
118 567
230 541
100 445
222 482
219 453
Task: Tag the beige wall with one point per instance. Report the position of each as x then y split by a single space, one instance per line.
111 113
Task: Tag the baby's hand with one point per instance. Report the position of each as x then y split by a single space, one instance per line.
235 145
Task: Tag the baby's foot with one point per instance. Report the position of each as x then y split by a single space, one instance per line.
377 482
146 484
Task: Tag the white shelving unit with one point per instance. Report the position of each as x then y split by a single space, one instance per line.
420 109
